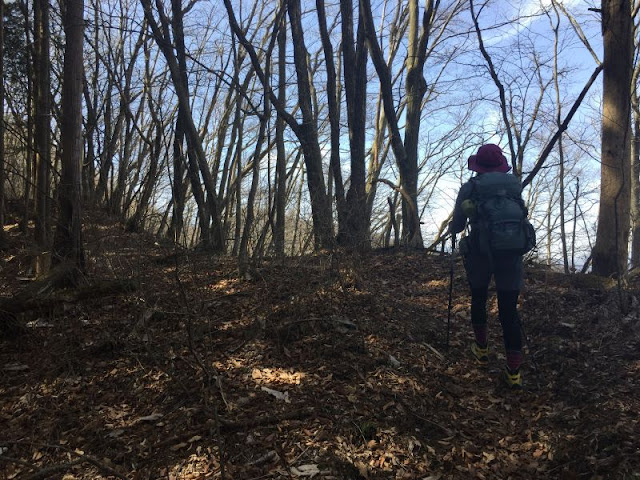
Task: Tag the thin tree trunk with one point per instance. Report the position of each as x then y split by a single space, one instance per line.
575 226
635 168
411 223
106 158
563 235
196 154
42 131
2 129
88 170
237 234
306 132
243 255
281 159
333 103
30 134
136 222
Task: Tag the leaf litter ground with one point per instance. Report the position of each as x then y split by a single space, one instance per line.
327 366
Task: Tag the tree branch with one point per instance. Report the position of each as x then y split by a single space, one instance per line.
563 126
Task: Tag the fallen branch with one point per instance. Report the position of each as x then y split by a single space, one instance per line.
47 472
50 471
447 431
228 426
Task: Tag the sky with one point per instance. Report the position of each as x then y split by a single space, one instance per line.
533 31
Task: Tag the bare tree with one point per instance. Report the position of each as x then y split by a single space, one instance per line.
68 238
354 51
2 127
307 131
610 252
520 122
42 123
555 26
280 195
211 226
635 147
408 171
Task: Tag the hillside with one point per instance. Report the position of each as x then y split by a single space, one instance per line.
331 366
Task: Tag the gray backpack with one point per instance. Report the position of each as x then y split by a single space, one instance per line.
500 225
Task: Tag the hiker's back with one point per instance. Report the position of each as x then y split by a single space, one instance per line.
500 224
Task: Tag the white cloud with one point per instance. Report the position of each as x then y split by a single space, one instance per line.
519 17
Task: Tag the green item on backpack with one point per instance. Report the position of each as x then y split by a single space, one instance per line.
469 208
500 225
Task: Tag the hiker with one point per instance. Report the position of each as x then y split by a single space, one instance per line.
487 251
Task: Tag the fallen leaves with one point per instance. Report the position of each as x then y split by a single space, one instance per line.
382 397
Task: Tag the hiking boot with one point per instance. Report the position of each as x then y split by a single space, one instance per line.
481 354
512 378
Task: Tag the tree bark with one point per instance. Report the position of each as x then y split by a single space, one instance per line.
354 50
42 123
611 249
635 185
2 129
416 87
333 104
280 195
321 214
635 168
68 238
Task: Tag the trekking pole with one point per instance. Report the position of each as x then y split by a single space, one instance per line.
453 248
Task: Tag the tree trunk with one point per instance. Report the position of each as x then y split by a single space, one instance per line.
307 132
635 186
136 222
611 249
321 204
410 219
635 169
354 49
333 104
281 155
563 235
2 162
212 235
106 158
416 89
179 193
42 123
91 122
243 254
30 154
68 239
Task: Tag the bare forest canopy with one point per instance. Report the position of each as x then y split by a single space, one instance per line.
279 128
193 199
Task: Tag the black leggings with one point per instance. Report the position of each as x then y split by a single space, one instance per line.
507 311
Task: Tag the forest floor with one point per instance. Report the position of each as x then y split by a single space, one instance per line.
332 366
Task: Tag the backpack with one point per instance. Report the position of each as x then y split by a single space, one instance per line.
500 225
